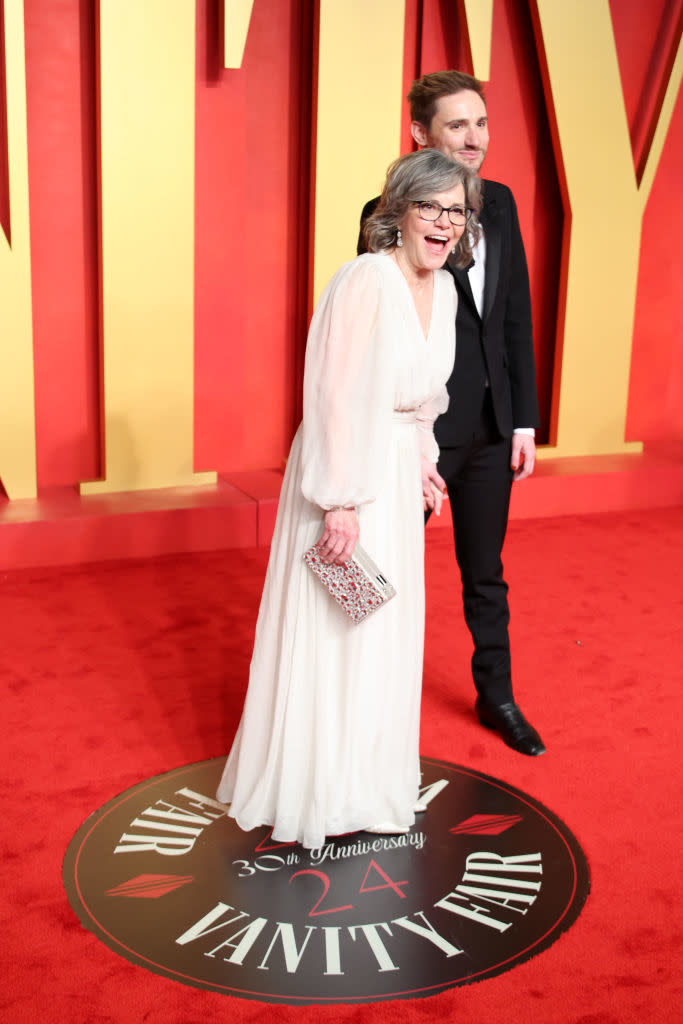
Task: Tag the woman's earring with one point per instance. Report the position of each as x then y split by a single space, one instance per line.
399 239
453 250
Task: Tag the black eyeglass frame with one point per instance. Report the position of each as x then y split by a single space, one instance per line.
442 209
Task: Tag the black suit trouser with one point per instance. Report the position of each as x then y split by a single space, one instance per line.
479 480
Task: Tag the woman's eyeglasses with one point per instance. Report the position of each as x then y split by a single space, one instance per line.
429 210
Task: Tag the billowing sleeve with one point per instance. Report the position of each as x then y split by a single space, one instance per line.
426 415
348 390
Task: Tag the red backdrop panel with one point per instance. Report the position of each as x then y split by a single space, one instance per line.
655 409
252 201
61 115
646 36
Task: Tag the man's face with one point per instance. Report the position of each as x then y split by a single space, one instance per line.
459 129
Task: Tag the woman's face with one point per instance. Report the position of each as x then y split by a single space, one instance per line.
426 244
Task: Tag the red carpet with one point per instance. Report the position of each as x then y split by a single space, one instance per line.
117 672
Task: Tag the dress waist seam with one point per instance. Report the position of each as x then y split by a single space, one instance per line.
405 416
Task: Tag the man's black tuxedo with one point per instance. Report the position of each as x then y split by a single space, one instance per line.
492 390
497 346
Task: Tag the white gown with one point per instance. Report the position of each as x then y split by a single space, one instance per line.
328 742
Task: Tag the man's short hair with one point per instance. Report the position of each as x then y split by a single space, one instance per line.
425 91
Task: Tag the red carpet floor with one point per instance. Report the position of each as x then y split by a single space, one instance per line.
115 672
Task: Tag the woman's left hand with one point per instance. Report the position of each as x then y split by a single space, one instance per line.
433 487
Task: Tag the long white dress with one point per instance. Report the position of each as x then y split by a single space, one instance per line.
328 742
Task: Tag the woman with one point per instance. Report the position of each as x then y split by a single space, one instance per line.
329 737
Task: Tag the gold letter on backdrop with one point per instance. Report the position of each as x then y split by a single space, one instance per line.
17 404
602 223
479 14
147 145
236 18
360 85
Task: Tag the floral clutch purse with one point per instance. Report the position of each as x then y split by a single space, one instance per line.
357 586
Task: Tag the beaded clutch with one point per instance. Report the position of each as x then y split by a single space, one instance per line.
357 586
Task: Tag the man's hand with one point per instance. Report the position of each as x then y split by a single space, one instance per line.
523 457
433 487
339 535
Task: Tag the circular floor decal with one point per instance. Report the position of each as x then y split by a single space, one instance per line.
485 879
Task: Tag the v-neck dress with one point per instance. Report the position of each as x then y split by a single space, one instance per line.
328 742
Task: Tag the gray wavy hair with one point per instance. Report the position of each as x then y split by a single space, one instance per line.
423 174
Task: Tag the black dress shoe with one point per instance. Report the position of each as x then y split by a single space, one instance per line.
509 721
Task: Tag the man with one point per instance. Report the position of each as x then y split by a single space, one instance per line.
487 436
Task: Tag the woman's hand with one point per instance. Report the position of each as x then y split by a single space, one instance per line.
339 535
433 487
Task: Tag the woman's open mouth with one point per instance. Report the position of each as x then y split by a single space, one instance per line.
437 243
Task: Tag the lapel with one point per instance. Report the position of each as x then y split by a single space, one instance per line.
462 279
490 221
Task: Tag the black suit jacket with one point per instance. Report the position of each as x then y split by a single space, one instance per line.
497 346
